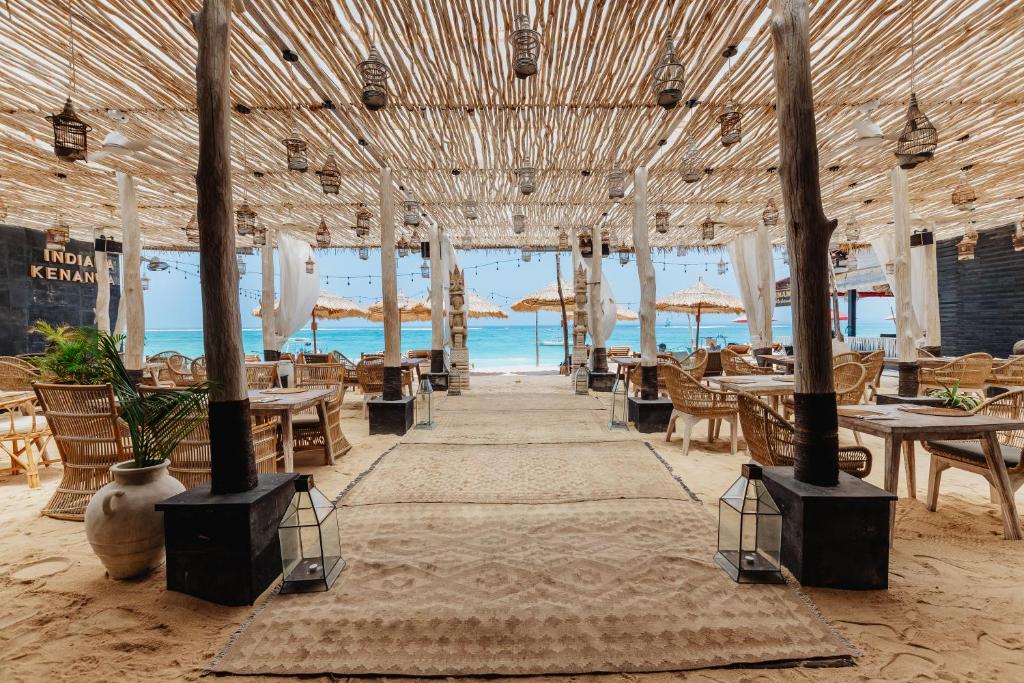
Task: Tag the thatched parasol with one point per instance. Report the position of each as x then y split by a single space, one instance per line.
409 309
328 307
698 299
479 307
544 299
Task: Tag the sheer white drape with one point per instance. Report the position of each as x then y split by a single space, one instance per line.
299 289
751 257
885 250
609 308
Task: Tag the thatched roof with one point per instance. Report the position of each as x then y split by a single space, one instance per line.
330 307
700 297
410 309
546 299
479 307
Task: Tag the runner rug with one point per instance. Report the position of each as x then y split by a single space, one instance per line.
499 559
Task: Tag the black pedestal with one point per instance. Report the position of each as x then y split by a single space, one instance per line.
649 415
601 381
833 537
391 417
438 380
224 548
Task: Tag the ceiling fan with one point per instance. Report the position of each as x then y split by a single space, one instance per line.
867 133
118 144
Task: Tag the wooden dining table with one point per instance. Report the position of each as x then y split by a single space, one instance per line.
900 425
787 362
772 386
284 404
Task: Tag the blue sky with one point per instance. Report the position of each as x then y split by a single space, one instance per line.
173 299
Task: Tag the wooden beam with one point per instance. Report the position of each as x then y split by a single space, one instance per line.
131 291
271 346
389 286
816 458
232 460
648 293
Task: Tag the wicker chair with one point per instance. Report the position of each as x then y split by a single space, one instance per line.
635 374
351 378
770 437
261 375
199 369
1009 375
89 437
849 380
618 352
314 358
16 374
179 369
695 364
307 426
968 455
370 373
845 357
924 353
741 349
873 365
970 372
24 436
693 402
735 364
161 357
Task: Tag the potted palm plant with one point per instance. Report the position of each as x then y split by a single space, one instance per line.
952 397
124 529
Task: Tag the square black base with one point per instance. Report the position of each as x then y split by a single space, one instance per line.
438 380
391 417
649 416
224 548
601 381
833 537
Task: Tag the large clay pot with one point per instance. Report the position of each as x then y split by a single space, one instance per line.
124 529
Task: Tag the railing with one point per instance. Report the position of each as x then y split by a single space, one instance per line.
860 344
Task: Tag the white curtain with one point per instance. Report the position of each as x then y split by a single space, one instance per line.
299 289
609 309
751 257
924 293
449 260
885 250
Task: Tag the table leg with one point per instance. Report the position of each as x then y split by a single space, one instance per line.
1001 481
892 478
911 466
325 427
287 442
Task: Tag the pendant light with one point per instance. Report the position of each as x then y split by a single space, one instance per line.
770 215
730 120
58 235
470 209
411 212
425 270
364 252
157 265
527 174
707 229
245 216
70 133
661 221
692 163
518 223
723 267
330 177
525 47
563 240
415 243
526 255
852 229
623 251
310 265
323 234
241 265
145 282
295 152
964 196
403 247
259 236
374 74
363 218
616 183
965 247
919 138
669 76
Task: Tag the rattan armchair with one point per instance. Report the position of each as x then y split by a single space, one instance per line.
370 373
89 437
261 376
1008 375
739 348
695 364
635 374
351 377
735 364
309 426
845 357
969 456
16 374
769 438
24 436
199 369
969 372
618 352
179 369
693 402
314 357
873 365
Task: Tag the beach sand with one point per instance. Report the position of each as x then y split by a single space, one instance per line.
954 610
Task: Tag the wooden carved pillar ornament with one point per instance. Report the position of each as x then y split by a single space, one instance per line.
579 319
458 327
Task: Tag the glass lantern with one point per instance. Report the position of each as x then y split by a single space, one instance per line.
425 270
620 397
310 540
454 382
425 405
749 530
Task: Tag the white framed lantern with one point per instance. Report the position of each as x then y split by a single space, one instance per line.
750 530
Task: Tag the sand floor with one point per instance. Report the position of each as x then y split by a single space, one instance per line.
954 610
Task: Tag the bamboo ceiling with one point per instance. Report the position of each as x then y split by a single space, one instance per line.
455 104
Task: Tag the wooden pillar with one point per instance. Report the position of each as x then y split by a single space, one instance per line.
233 467
906 349
808 231
599 358
271 347
436 301
645 271
131 276
102 310
389 285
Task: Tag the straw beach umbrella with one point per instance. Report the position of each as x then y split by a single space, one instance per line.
544 299
409 309
479 307
328 307
698 299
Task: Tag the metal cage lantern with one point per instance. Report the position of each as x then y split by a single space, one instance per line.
364 252
518 223
586 243
750 530
145 282
157 265
581 380
363 218
527 174
616 183
730 121
58 235
623 255
669 77
470 209
526 255
259 236
415 243
620 401
563 240
330 177
723 267
323 234
425 270
241 265
965 247
606 242
692 163
661 222
411 216
707 229
295 150
70 134
770 215
310 540
919 138
425 405
964 196
245 219
310 266
403 248
374 74
525 47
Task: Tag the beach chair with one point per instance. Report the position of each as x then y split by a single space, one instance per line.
24 435
848 379
261 375
1008 375
693 402
179 370
735 364
370 373
873 365
968 455
741 349
969 372
769 438
90 439
308 430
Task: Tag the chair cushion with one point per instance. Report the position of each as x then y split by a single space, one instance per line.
971 450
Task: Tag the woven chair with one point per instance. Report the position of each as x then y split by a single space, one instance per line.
1009 375
252 358
693 402
924 353
16 374
873 365
735 364
199 369
314 357
179 369
261 375
370 374
845 357
618 352
351 378
695 364
635 374
848 379
307 426
969 456
161 357
89 437
770 437
24 436
739 348
970 372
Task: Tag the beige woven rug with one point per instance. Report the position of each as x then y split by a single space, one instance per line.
594 560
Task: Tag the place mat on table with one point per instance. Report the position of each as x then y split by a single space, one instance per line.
284 390
853 412
937 412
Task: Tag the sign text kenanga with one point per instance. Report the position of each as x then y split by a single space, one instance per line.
67 267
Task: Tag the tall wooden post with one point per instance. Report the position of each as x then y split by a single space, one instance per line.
131 276
599 359
808 231
271 350
389 284
102 311
233 467
565 317
906 350
645 271
436 302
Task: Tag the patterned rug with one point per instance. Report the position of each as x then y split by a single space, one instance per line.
512 559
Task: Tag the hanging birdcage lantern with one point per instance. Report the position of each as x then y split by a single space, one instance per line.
157 265
692 163
770 215
526 255
731 122
606 242
616 183
411 215
661 221
518 223
525 47
191 230
323 235
623 255
310 266
527 174
852 229
70 134
415 243
723 267
965 247
374 74
364 252
403 247
241 265
964 195
245 219
58 235
259 236
470 209
668 76
425 270
707 229
363 218
919 138
295 150
145 282
586 243
563 240
330 177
